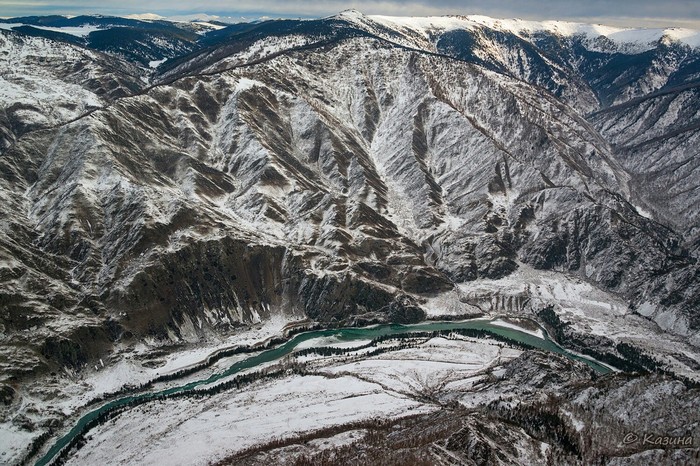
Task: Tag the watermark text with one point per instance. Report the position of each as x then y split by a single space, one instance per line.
673 441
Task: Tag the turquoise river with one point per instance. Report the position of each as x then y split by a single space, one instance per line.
341 334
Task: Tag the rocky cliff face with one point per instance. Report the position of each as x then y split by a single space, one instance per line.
344 169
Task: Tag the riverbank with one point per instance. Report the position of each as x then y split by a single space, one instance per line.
346 334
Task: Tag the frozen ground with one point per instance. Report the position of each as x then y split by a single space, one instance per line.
387 385
192 432
435 363
507 324
66 393
79 31
198 431
589 310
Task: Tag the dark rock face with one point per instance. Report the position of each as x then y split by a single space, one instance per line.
64 352
188 284
404 310
7 394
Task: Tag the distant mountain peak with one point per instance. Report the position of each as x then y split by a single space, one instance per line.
145 17
630 38
351 13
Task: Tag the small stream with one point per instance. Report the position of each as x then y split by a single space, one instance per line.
341 335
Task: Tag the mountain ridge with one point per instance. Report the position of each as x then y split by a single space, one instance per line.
314 169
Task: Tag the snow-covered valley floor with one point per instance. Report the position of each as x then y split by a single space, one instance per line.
333 391
65 394
407 379
337 390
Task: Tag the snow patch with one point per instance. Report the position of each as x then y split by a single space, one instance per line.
502 323
211 26
643 213
332 341
646 309
13 442
145 17
245 83
193 432
156 63
78 31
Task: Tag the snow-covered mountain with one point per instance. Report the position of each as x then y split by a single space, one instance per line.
572 60
628 40
47 83
353 169
145 41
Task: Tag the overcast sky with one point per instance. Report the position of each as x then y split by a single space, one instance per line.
620 12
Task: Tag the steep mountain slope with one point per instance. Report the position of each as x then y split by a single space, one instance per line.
45 86
587 66
344 178
655 138
47 83
588 54
630 75
348 170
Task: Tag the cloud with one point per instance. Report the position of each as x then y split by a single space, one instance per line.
629 12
